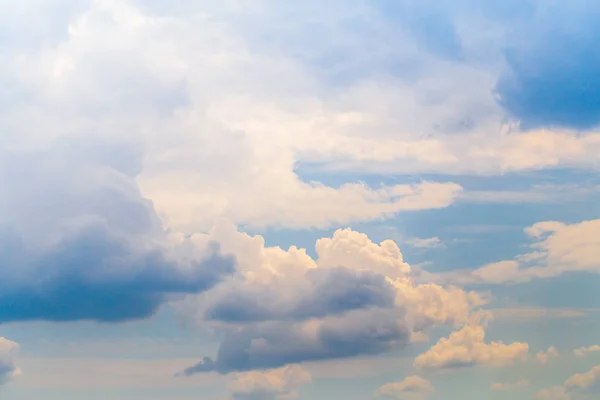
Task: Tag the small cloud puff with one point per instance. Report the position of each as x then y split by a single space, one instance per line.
411 388
466 348
544 356
582 351
281 383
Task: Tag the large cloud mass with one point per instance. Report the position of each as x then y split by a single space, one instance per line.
80 242
283 307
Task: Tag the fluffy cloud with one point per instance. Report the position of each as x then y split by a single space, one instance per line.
544 356
274 384
411 388
582 351
8 368
80 242
467 347
225 118
273 312
510 385
558 248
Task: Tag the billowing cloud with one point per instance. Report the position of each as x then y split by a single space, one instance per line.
80 242
411 388
544 356
521 383
273 312
582 351
8 353
281 383
467 348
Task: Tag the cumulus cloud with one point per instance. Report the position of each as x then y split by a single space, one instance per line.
466 348
498 386
544 356
80 242
411 388
281 383
8 353
273 312
582 351
557 248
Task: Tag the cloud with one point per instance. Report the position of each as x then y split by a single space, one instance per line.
273 312
583 383
558 249
582 351
8 368
544 356
510 385
466 348
419 243
80 242
274 384
411 388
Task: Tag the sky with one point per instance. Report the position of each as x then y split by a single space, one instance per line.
269 200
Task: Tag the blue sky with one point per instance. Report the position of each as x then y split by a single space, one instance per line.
265 200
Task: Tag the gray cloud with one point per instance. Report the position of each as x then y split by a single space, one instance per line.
78 241
272 345
323 292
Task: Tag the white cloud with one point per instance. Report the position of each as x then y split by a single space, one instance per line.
521 383
224 119
8 354
558 248
425 243
466 347
582 351
411 388
544 356
281 383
